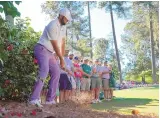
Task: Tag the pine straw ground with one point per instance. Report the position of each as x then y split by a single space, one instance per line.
79 107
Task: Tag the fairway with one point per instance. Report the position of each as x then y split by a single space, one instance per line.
143 99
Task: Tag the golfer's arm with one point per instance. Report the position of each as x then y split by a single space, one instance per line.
63 46
56 48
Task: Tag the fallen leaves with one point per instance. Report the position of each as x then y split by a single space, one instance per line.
78 108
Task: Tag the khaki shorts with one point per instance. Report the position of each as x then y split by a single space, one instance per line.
85 84
105 83
95 83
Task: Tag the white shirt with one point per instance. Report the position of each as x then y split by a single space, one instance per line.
53 31
68 64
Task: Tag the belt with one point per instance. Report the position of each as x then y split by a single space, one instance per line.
85 76
44 47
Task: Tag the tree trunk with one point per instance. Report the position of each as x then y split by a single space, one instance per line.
143 79
90 31
72 36
115 43
152 48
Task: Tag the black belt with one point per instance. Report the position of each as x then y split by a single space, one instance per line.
85 76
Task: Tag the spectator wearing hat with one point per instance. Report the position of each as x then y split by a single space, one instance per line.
78 73
85 83
70 55
105 80
70 67
90 63
96 81
65 85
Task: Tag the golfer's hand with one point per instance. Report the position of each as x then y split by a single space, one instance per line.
89 76
70 73
62 64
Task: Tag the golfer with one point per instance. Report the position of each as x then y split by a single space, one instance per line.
51 41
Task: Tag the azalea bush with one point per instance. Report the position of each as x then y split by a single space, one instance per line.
16 51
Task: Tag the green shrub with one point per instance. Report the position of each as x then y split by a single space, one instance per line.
16 50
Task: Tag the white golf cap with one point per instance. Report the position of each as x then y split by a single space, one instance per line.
65 12
70 53
85 58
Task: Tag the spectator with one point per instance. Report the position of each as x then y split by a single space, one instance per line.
95 82
85 83
105 80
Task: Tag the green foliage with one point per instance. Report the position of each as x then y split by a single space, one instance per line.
19 71
9 9
81 46
121 8
137 37
100 48
79 26
111 56
138 78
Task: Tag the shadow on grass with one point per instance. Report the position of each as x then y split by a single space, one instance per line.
143 88
156 100
119 103
153 105
154 87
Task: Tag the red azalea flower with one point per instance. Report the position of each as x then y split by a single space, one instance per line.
12 114
33 113
10 47
19 114
35 61
7 82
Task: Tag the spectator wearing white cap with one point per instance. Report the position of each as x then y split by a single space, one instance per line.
96 81
85 83
70 55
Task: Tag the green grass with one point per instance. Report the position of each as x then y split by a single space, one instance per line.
145 99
